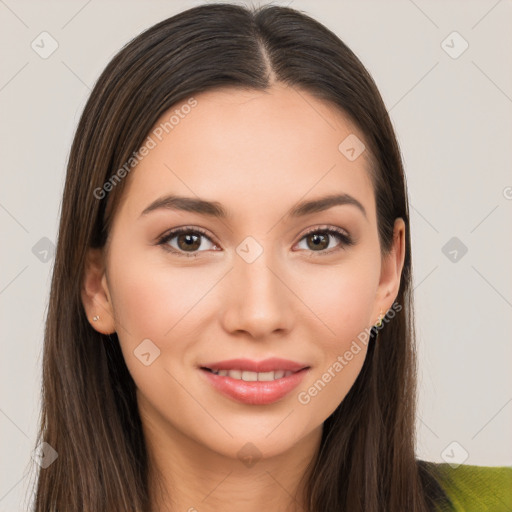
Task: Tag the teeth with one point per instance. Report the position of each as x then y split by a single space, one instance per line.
266 376
249 376
253 376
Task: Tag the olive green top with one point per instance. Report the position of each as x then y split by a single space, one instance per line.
477 488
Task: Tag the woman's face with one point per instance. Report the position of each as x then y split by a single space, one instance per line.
266 280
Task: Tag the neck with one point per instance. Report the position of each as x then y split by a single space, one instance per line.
186 476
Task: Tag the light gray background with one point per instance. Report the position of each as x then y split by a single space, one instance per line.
454 125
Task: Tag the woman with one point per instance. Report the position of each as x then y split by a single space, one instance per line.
231 322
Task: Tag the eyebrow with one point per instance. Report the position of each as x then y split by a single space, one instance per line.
215 209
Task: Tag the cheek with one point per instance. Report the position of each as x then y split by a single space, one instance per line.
154 301
151 298
342 297
163 302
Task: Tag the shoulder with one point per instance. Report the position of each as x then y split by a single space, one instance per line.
475 488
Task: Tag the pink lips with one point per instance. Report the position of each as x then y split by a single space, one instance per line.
255 392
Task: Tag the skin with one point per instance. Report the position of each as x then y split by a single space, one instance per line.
258 154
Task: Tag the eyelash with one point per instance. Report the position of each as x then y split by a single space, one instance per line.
344 238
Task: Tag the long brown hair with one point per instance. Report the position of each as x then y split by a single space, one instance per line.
89 414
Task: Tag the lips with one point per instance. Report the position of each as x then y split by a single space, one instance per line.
255 382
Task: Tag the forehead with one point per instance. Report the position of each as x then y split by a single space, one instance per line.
250 150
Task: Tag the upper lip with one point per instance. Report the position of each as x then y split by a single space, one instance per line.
266 365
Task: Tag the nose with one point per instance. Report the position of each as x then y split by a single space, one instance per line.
259 300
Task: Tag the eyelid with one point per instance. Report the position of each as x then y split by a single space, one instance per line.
325 227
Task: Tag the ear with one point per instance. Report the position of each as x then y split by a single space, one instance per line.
391 271
95 293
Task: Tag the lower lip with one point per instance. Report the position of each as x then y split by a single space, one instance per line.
256 392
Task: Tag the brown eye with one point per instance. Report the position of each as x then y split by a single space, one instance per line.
186 242
319 240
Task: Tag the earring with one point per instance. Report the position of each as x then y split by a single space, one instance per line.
96 318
